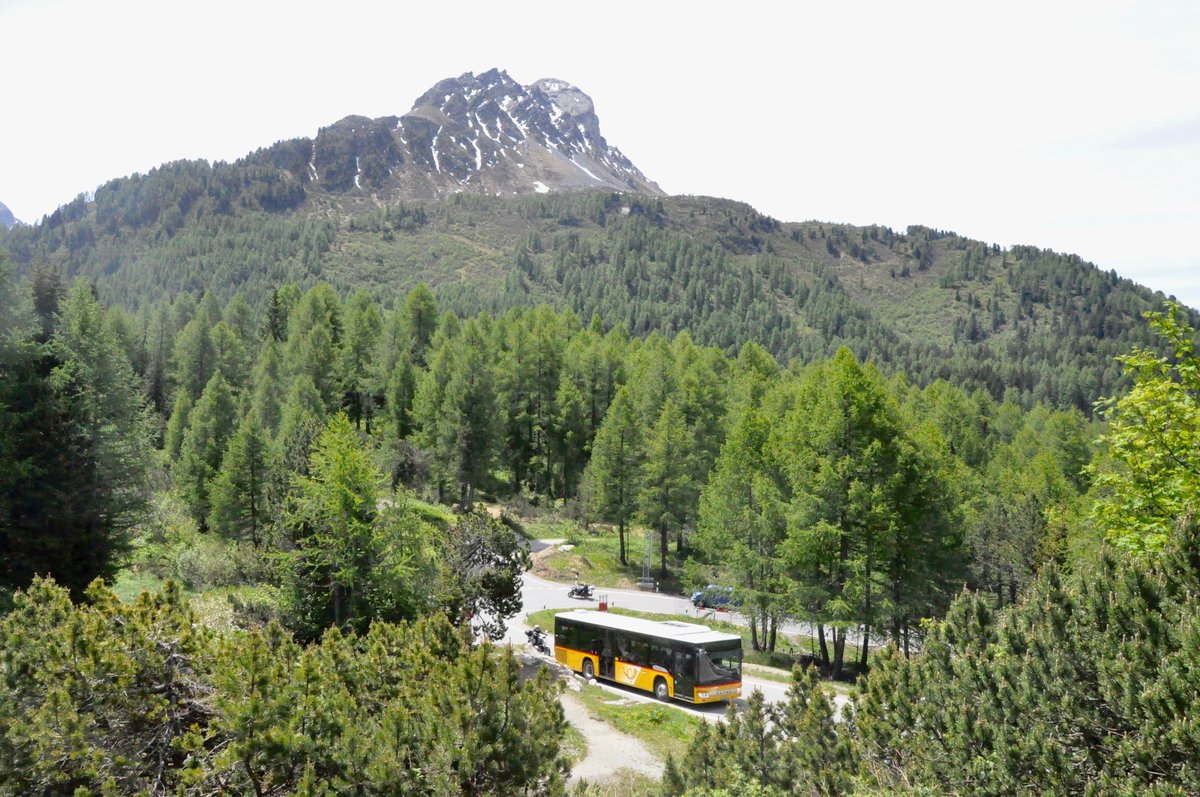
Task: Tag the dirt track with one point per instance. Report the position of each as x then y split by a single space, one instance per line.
608 750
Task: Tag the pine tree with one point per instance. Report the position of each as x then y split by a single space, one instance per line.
615 470
363 328
210 425
472 401
354 561
178 424
111 430
743 524
421 320
667 496
231 357
239 492
195 357
314 343
301 421
269 395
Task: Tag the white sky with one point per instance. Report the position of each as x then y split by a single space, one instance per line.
1073 126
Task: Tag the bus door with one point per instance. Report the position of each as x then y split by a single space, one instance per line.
684 670
608 657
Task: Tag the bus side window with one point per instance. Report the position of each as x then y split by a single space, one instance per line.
566 636
637 652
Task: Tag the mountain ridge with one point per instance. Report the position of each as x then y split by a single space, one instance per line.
928 302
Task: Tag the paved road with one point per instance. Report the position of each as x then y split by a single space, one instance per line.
538 594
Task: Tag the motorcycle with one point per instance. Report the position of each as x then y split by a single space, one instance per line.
537 638
580 591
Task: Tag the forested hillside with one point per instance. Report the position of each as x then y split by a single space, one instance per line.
309 470
1032 324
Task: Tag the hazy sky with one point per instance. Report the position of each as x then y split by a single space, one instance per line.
1070 126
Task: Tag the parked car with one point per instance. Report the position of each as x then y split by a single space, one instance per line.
714 596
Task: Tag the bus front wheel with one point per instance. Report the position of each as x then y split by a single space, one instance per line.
660 689
589 672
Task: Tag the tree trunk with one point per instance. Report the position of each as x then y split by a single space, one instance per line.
621 534
774 630
866 643
824 645
839 652
662 551
754 634
339 608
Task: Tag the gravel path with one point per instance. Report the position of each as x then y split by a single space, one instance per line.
608 750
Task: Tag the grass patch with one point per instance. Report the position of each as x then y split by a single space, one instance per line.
574 745
437 515
131 582
664 730
596 555
622 783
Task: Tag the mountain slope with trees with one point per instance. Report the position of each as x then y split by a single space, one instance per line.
498 195
1044 326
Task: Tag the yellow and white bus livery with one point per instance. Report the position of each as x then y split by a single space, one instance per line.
687 661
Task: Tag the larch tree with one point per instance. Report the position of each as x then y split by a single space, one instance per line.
240 492
743 524
869 527
614 474
668 492
210 425
364 325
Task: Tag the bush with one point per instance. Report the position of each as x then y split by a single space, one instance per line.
107 698
203 561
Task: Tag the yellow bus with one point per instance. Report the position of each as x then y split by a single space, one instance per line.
686 661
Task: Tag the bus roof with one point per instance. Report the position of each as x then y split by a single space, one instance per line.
692 633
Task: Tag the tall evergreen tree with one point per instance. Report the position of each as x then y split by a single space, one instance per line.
472 403
240 490
314 343
89 460
869 518
354 561
668 494
177 425
195 357
210 425
421 320
614 473
363 328
743 524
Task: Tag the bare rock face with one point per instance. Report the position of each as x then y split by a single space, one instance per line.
473 133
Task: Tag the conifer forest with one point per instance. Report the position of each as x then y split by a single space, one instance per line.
264 527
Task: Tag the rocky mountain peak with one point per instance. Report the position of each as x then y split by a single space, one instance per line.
483 133
7 220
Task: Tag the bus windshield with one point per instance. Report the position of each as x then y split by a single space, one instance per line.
719 666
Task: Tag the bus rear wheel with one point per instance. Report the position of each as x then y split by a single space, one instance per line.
660 689
589 672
